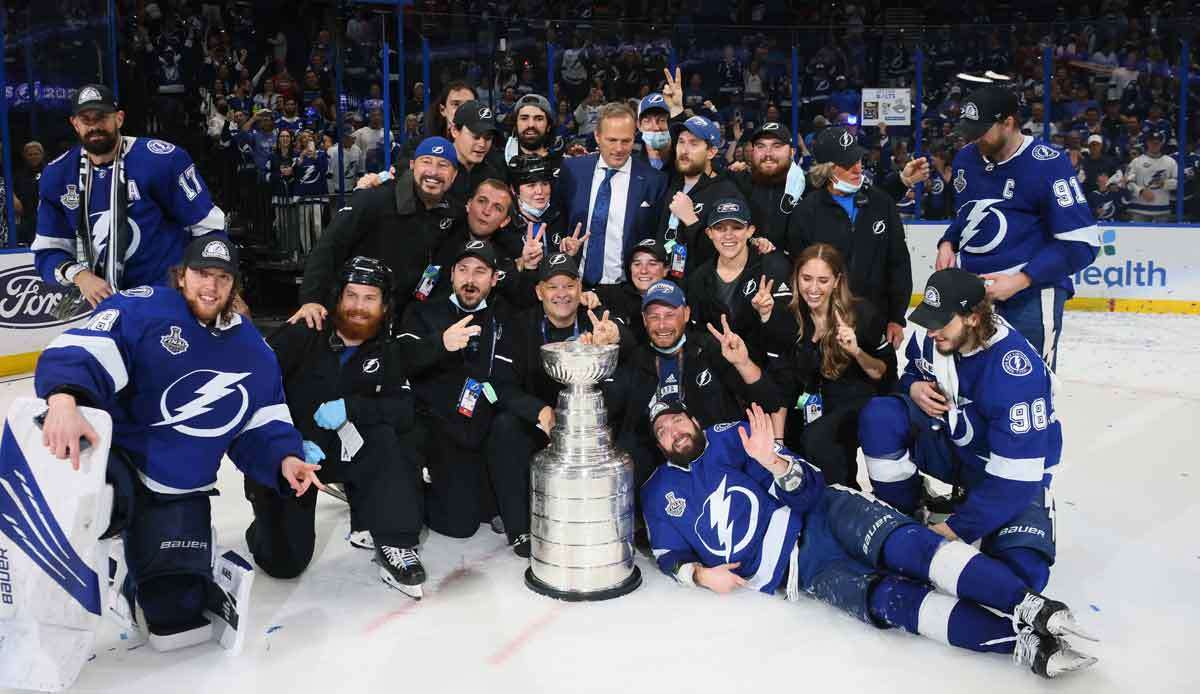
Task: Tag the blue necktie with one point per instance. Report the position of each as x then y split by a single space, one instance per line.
593 268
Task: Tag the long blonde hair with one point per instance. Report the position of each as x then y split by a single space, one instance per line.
819 175
834 359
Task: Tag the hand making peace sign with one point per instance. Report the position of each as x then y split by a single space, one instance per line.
763 301
571 244
733 348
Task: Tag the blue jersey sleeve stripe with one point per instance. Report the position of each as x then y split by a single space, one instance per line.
266 415
888 470
103 349
41 242
772 548
213 221
1089 234
1018 469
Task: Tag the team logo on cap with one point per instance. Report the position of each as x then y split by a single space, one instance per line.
646 243
485 112
216 249
1015 363
473 246
879 227
846 140
728 207
89 94
697 120
656 99
558 259
439 149
663 288
932 298
970 111
771 126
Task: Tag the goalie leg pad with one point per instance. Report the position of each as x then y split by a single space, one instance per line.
52 561
168 548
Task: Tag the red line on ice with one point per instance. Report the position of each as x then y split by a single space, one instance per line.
517 642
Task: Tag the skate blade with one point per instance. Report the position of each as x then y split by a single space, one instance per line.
1070 628
1078 661
414 592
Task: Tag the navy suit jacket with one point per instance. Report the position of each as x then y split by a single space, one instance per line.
647 186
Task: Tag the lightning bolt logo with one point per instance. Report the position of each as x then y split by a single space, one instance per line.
219 385
975 218
722 519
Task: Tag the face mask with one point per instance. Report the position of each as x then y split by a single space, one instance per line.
842 187
656 139
673 348
531 211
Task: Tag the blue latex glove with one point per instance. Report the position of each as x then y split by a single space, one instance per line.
313 455
331 415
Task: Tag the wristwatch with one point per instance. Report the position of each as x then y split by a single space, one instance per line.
791 480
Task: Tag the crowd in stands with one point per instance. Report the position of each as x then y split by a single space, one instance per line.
249 88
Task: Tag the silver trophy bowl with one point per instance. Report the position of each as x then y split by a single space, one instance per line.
581 487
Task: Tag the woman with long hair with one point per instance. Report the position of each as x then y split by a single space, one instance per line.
830 367
282 176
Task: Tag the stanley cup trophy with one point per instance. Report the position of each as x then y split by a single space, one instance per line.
581 487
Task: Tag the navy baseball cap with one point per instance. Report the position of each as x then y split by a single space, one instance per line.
651 246
477 248
702 128
437 147
664 292
211 252
670 406
652 102
837 145
983 108
779 131
948 293
476 117
558 264
728 208
94 97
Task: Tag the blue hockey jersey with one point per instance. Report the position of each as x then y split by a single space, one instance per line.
1002 422
726 508
181 395
1026 214
169 205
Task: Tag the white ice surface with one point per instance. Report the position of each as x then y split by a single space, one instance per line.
1128 562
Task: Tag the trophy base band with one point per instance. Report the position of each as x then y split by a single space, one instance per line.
627 586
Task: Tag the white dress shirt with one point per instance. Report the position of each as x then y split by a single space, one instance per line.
614 231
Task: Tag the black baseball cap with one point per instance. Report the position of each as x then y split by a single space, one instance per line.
94 97
837 145
478 248
779 131
726 209
558 264
211 252
476 117
670 406
651 246
948 293
983 108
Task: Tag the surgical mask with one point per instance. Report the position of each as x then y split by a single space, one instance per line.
848 188
656 139
673 348
531 211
